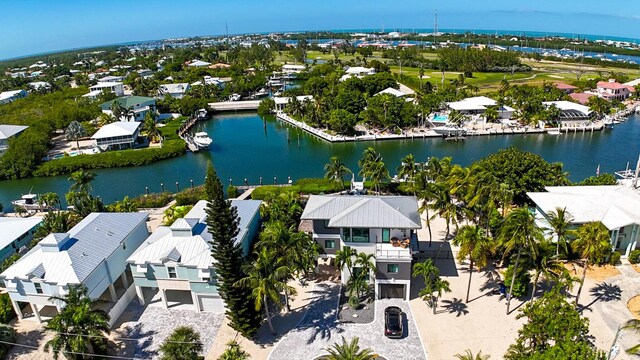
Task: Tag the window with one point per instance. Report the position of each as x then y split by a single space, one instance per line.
38 288
329 244
386 235
325 223
206 280
172 273
393 268
360 235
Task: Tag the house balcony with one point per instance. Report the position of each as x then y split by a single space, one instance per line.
387 251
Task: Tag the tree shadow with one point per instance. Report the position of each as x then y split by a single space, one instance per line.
456 306
490 287
31 338
604 292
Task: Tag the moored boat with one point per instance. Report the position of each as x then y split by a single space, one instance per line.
202 140
29 202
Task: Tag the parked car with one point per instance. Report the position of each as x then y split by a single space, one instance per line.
393 322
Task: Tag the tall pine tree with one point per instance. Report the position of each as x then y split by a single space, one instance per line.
222 221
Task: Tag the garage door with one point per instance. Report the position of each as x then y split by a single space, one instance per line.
391 291
211 303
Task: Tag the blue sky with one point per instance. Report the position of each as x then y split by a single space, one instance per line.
35 26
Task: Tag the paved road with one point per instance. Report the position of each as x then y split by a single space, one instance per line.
320 329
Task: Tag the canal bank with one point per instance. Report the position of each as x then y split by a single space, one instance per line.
247 146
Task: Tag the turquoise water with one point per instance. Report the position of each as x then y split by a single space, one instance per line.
441 118
246 146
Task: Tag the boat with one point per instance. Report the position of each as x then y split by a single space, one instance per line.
29 202
449 130
554 132
202 139
201 114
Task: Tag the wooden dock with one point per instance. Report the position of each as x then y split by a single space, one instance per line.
183 132
235 105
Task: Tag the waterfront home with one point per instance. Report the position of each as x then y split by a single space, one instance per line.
145 73
613 90
571 114
392 91
113 87
581 97
13 95
177 259
477 105
16 233
289 69
111 78
198 63
117 135
359 71
281 102
7 132
616 206
137 107
384 226
568 89
176 91
219 66
93 253
39 85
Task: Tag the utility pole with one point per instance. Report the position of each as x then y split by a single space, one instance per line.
435 27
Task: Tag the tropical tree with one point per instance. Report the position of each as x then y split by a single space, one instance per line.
20 210
433 284
344 258
468 355
546 263
79 327
83 203
560 224
633 325
183 344
505 197
591 244
407 169
266 278
349 351
443 206
74 132
336 170
369 157
81 181
55 222
519 232
49 200
475 244
491 114
285 207
234 352
151 127
377 174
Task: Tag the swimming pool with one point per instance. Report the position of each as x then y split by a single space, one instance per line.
440 118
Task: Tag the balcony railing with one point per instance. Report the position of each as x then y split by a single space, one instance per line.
388 251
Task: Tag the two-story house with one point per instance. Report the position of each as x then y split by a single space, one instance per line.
384 226
177 259
136 107
613 90
93 253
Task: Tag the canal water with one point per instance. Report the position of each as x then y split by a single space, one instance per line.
247 146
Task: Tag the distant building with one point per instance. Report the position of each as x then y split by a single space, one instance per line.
113 87
16 233
111 79
293 69
39 85
219 66
137 106
198 63
478 105
581 97
93 253
571 114
281 102
569 89
7 132
357 71
612 90
13 95
145 73
177 259
117 135
176 91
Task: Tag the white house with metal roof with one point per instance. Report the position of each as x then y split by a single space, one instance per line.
119 134
7 132
16 233
116 88
571 113
177 259
198 63
9 96
384 226
282 101
93 253
616 206
176 91
477 105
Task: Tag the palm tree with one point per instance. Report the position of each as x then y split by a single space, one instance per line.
443 206
437 286
55 222
336 170
151 128
20 210
344 258
349 351
505 197
519 232
74 132
266 278
633 325
377 173
183 343
369 156
407 169
82 181
234 352
475 244
547 264
49 200
468 355
79 327
591 243
560 223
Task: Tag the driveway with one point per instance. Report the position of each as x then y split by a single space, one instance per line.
148 326
319 329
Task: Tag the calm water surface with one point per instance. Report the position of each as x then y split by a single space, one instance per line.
246 146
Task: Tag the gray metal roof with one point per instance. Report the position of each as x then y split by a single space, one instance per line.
398 212
7 131
12 228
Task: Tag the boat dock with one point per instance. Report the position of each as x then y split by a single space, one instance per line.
235 105
183 132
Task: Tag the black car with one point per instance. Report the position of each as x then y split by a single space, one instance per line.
393 322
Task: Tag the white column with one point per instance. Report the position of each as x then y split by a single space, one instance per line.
164 298
125 280
407 288
16 308
112 291
196 303
34 307
140 294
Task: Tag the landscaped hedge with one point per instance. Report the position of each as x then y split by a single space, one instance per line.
153 200
190 196
314 186
262 192
6 309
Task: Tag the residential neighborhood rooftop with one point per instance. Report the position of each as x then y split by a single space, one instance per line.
118 128
7 131
13 227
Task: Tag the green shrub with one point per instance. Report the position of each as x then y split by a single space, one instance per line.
7 334
315 186
521 286
354 302
190 196
262 192
232 192
634 256
153 200
614 258
6 309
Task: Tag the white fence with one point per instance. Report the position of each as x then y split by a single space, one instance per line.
122 304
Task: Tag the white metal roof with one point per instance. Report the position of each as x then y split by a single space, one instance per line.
118 128
7 131
13 227
105 84
10 94
179 88
472 103
293 67
198 63
355 70
614 205
568 105
92 240
392 91
398 212
285 100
